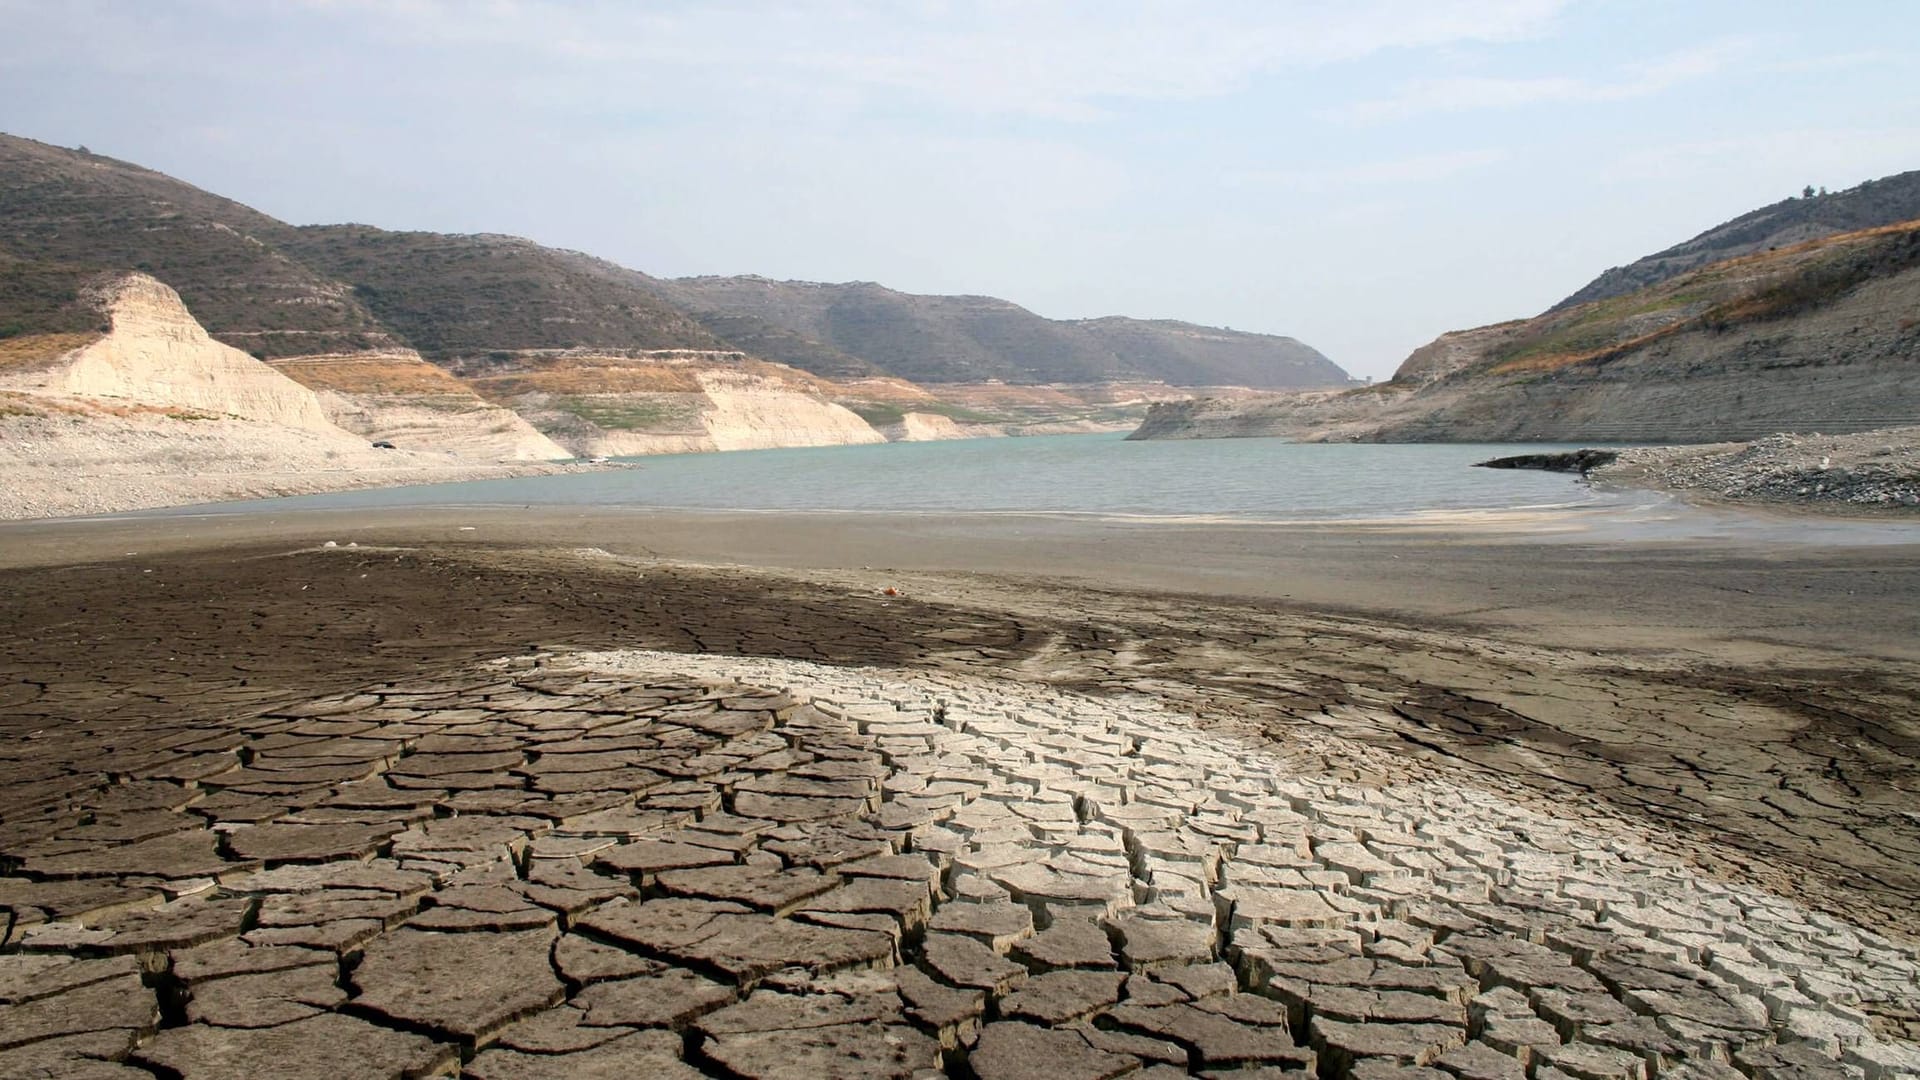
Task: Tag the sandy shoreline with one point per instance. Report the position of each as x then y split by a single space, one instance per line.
1550 578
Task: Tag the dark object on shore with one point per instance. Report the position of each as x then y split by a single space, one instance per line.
383 445
1580 461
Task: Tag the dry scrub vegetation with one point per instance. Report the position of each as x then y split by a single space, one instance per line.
1747 289
371 375
32 351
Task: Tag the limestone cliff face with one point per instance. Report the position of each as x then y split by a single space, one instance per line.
639 443
668 403
396 396
746 412
937 427
158 356
156 413
928 427
473 431
70 455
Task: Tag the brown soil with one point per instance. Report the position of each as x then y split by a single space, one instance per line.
622 375
371 374
577 378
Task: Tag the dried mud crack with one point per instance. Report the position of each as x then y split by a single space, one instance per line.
418 813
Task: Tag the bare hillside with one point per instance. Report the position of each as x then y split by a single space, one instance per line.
277 291
1823 336
1886 201
454 296
65 215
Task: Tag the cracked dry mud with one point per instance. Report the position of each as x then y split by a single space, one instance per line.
433 861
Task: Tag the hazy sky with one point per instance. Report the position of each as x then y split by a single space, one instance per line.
1361 174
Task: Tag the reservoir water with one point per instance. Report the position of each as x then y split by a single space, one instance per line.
1254 479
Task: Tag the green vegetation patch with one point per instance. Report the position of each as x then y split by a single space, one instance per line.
961 413
876 413
630 414
883 413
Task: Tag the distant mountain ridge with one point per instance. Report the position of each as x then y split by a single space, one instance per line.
1869 205
277 290
939 339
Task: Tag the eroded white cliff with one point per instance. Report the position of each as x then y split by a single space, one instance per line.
396 396
937 427
158 356
747 412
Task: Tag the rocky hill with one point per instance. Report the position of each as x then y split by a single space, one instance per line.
963 339
1886 201
277 290
1819 336
155 355
494 345
462 296
66 215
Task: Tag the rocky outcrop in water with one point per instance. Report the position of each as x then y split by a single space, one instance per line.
1576 461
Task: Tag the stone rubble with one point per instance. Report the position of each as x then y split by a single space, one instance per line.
1877 469
646 864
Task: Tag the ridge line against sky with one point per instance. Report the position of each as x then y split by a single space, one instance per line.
1361 176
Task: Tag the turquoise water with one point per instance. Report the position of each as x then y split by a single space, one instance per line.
1265 479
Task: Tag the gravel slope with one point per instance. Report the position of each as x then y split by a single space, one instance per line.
1869 470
